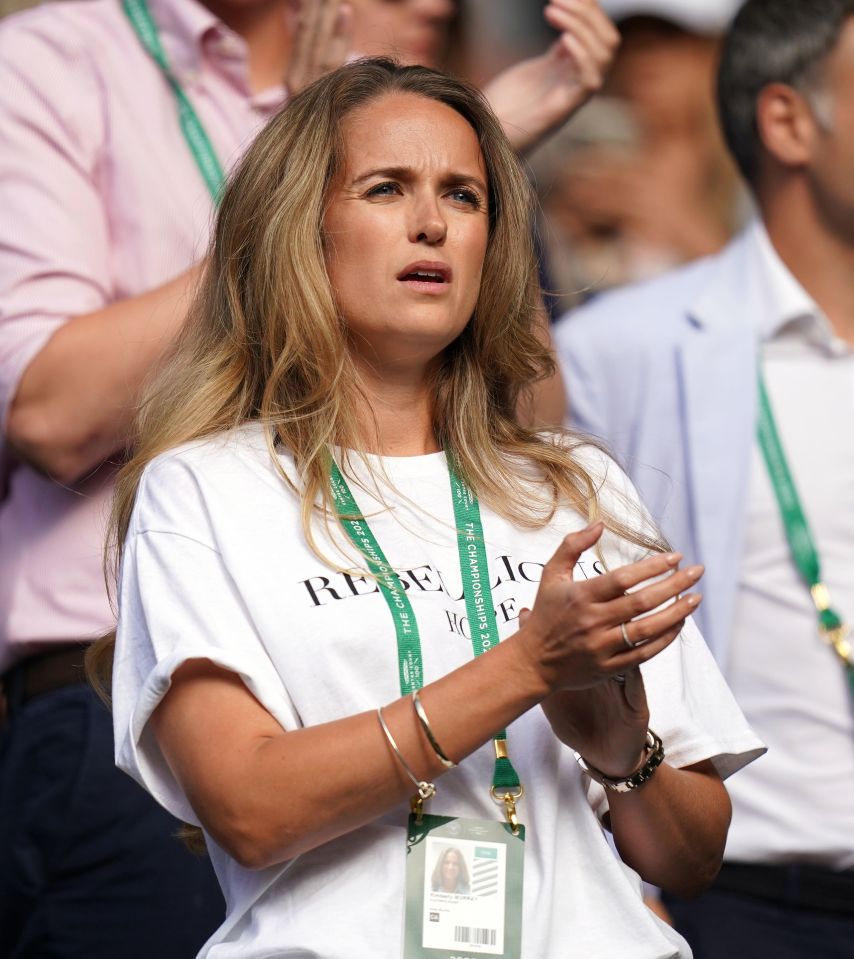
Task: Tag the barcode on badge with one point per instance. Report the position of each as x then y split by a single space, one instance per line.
475 936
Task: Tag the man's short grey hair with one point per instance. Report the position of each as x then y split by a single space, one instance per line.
775 41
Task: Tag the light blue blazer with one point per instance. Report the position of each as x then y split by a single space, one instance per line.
665 372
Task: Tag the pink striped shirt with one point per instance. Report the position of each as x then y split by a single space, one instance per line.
100 200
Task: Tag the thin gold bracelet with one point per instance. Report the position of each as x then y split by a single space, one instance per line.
428 732
425 790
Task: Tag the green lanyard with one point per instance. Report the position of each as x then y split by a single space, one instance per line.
506 787
191 126
801 542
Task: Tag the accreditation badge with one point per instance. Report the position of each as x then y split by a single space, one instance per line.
463 888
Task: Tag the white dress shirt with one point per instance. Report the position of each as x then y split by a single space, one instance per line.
797 802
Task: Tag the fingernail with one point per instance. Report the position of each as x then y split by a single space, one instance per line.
695 572
673 558
694 599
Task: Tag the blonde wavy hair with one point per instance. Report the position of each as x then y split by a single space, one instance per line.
264 340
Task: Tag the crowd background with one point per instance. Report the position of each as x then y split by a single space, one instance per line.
639 181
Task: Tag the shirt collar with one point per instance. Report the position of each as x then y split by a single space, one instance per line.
185 27
192 36
788 310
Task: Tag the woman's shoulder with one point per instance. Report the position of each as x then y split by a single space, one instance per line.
228 467
245 448
589 454
598 475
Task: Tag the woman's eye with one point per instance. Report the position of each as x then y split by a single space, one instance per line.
384 189
464 195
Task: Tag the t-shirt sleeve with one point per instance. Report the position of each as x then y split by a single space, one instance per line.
693 710
177 601
691 706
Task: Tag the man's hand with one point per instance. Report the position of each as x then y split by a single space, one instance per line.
538 95
322 36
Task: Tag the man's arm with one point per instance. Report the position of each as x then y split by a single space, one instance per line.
70 363
76 400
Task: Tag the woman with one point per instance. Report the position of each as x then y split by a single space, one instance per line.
450 873
305 567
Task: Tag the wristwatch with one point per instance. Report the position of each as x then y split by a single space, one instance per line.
654 758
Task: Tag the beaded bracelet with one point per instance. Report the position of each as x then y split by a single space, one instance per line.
654 757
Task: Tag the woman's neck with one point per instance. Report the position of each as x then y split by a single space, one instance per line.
398 417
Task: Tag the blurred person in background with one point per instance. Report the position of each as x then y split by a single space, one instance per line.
117 126
753 475
641 182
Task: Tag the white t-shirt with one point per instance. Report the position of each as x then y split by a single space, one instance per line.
216 566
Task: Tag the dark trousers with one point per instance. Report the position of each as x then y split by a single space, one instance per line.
89 866
729 925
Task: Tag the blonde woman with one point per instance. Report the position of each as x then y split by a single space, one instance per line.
332 518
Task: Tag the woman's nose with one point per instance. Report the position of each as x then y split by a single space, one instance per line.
428 224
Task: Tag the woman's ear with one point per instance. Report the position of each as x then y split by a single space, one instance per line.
787 125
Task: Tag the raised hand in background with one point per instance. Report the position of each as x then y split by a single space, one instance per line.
534 97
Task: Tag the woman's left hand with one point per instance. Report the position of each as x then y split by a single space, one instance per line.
606 723
538 95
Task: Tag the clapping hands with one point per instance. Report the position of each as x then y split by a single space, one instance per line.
534 97
575 637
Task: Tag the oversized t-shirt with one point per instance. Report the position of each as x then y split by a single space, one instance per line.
216 566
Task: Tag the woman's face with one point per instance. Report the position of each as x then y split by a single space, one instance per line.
406 230
451 870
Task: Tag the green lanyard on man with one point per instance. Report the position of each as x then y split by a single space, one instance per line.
801 542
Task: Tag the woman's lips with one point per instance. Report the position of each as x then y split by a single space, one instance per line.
426 276
432 288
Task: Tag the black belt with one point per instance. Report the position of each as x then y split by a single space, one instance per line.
797 884
44 672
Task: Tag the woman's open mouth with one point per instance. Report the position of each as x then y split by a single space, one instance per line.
425 277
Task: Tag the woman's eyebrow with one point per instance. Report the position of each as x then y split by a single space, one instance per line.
407 174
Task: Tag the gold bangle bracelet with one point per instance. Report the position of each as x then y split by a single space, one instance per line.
425 790
428 732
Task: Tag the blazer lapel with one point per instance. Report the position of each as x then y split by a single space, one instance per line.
718 382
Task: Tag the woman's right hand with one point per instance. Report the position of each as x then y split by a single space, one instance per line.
572 636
